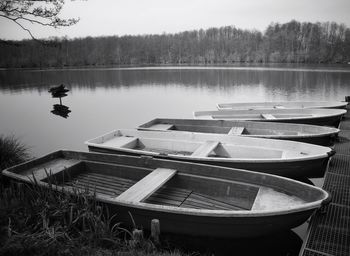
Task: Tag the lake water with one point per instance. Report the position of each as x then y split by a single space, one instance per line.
104 99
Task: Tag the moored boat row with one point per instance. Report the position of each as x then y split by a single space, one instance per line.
224 177
285 158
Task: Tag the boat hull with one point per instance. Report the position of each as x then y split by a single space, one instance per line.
205 226
332 121
299 170
325 140
193 222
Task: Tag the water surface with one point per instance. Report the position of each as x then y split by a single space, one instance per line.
104 99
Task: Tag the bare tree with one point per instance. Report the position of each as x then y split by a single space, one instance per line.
44 13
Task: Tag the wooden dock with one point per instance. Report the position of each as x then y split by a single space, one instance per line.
329 229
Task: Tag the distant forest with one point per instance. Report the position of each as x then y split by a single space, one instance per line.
292 42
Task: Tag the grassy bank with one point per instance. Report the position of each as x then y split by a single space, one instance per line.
44 221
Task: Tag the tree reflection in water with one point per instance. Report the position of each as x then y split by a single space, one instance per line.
60 109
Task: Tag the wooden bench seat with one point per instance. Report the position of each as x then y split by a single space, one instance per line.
144 188
50 168
205 149
236 131
122 141
268 116
161 127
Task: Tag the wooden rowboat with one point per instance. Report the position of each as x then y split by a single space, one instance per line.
283 105
329 117
285 158
187 198
319 135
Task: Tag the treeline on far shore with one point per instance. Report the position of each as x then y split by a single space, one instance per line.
292 42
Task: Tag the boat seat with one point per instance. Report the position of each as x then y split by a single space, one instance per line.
236 131
268 116
122 141
50 168
161 127
144 188
205 149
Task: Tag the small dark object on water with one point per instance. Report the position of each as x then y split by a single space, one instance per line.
58 89
347 98
58 94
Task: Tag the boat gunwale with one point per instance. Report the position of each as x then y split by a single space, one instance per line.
177 210
332 131
338 105
341 112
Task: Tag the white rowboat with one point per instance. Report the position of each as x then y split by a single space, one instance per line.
186 198
285 158
328 117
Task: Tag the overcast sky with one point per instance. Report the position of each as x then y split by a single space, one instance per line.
132 17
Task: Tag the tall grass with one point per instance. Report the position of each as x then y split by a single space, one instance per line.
47 221
12 151
37 220
44 221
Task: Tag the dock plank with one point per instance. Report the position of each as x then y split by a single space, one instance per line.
147 186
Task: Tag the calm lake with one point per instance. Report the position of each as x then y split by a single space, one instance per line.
103 99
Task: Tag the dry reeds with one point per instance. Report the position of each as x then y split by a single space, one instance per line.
12 151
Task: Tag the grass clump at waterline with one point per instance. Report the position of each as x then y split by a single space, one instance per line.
12 151
44 221
38 220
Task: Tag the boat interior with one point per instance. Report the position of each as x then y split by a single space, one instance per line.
231 130
161 186
282 105
209 148
259 116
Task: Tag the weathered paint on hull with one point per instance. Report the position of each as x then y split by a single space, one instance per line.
314 168
333 121
326 141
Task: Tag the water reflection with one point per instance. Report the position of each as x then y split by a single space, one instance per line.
107 99
61 110
60 92
280 244
283 83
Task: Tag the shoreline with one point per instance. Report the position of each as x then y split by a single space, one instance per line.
307 67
